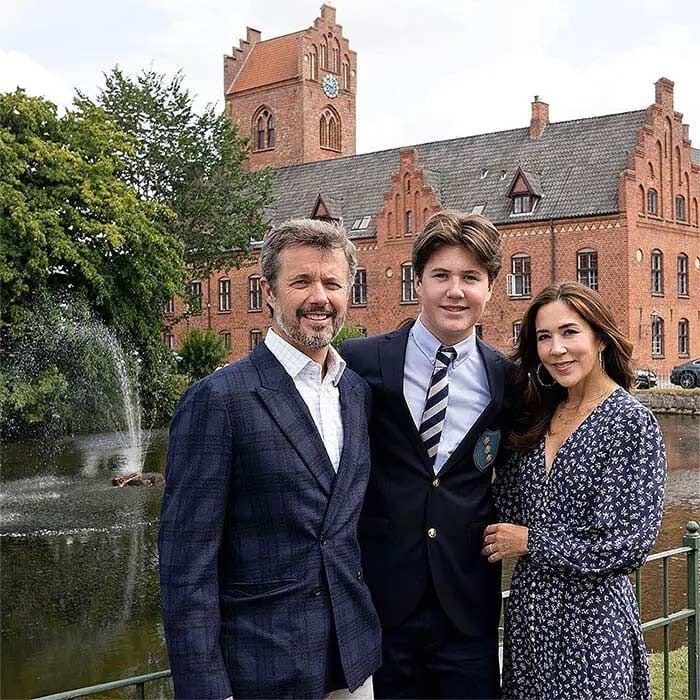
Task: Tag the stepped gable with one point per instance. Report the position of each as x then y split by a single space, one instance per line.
577 164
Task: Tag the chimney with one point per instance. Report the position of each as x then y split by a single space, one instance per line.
328 13
540 118
664 93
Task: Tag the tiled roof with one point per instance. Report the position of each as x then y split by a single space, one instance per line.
695 155
576 162
268 62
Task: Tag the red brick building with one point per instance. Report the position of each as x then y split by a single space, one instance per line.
611 201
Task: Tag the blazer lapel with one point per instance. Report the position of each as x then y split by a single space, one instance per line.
495 369
282 400
352 408
392 358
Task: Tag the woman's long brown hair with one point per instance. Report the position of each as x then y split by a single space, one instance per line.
539 402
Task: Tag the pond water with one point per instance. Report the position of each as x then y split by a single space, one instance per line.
79 569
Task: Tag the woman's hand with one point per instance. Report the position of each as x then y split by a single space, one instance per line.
504 541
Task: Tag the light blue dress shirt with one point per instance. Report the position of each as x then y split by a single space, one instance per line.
469 392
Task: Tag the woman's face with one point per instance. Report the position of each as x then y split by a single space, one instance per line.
566 344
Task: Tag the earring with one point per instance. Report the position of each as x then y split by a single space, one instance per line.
601 360
539 379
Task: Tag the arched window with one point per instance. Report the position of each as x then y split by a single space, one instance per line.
323 132
324 55
329 131
260 134
336 57
683 337
695 211
313 63
680 207
651 170
657 336
264 130
652 202
682 269
587 268
346 75
657 272
270 132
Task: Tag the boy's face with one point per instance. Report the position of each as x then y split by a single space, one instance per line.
453 291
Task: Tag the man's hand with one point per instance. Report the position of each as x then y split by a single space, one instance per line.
504 541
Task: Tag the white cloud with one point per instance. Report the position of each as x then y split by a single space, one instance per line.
19 70
426 71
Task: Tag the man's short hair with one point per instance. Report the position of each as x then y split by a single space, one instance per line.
472 231
323 235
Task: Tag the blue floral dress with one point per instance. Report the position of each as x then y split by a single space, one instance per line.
572 628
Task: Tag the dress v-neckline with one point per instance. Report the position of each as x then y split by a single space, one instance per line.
548 472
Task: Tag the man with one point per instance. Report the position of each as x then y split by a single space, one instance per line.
435 432
268 461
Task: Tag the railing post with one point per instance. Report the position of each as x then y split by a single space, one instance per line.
692 540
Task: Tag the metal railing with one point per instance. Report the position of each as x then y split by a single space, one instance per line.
691 613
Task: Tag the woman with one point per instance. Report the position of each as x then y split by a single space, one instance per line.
581 501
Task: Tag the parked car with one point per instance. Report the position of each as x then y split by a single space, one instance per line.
646 379
687 375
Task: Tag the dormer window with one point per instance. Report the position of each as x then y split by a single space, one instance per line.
525 191
522 204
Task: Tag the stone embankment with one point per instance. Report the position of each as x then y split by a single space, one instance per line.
685 402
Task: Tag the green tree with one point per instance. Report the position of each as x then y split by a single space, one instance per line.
195 163
348 332
70 225
202 352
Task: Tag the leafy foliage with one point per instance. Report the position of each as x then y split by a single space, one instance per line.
202 352
193 163
347 332
70 227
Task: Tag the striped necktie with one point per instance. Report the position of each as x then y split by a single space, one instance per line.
436 404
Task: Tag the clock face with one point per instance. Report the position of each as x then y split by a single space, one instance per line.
330 85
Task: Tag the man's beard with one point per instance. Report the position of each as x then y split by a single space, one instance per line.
291 325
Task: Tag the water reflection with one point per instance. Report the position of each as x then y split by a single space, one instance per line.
79 571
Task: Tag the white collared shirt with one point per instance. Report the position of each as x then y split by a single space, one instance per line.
469 392
320 394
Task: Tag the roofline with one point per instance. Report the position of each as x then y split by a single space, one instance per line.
460 138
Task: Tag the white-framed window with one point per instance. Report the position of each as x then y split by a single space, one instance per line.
523 204
587 268
359 288
682 267
169 340
254 293
224 295
652 202
408 290
170 306
519 280
657 336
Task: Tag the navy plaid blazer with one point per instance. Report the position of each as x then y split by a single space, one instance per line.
262 587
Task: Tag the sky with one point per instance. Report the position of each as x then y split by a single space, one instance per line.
427 70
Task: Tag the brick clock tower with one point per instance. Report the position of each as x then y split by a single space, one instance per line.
294 95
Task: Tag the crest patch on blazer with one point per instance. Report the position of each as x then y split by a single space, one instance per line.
486 449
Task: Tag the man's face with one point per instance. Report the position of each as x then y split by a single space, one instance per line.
453 291
311 297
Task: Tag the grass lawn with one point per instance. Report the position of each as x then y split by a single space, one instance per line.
678 674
